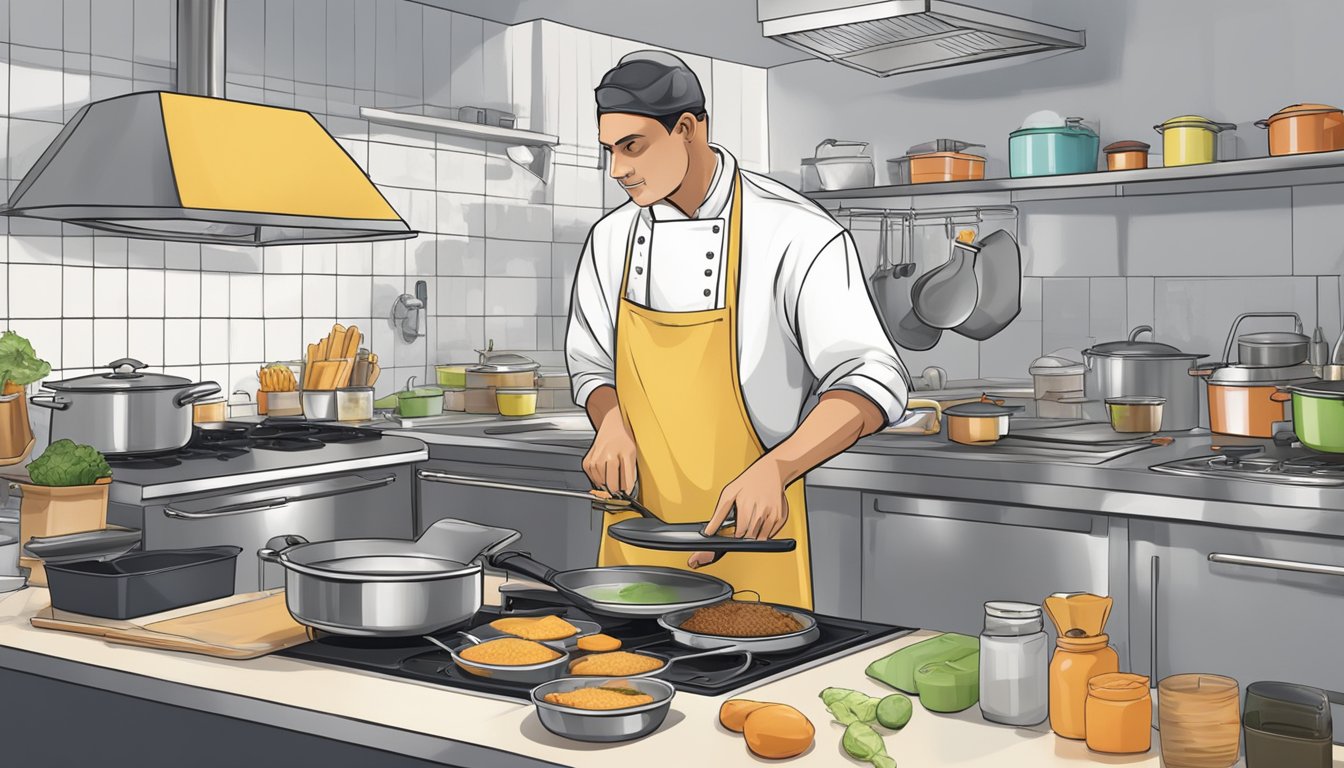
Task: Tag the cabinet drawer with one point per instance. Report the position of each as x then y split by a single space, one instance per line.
933 564
1250 605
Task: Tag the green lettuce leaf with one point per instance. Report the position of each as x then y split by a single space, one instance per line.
18 362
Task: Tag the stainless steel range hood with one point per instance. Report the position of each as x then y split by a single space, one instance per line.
899 36
196 167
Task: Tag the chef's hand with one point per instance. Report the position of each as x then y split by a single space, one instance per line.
610 462
758 495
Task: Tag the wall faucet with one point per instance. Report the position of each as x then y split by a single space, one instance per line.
408 312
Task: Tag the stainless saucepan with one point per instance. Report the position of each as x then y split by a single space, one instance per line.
603 725
388 587
806 635
597 590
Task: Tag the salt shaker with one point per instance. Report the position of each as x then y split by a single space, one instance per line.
1014 664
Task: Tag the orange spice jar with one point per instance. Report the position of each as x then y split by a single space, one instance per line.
1119 714
1082 652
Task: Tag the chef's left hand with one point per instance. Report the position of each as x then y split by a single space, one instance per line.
758 495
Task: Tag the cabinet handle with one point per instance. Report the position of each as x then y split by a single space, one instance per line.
435 476
237 509
1280 565
1155 569
323 490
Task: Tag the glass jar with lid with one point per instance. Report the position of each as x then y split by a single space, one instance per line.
1014 664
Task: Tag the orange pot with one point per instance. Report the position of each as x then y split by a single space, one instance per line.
1304 128
1248 411
1126 155
933 167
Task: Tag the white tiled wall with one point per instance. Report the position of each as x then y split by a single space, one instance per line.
497 249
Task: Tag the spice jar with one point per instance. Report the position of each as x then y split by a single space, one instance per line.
1014 664
1200 720
1119 714
1082 651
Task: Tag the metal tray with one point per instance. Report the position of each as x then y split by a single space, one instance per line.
142 583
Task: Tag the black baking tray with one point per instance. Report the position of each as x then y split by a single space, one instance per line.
142 583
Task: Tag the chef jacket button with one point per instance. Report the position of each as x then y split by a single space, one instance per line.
706 291
709 273
709 255
639 270
716 229
640 240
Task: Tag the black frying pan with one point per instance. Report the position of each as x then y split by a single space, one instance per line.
597 590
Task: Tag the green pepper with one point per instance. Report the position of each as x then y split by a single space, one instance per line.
861 742
894 711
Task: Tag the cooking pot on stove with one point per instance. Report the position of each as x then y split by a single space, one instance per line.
1134 368
125 411
1318 413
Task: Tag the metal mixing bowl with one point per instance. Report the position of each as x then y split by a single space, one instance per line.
603 725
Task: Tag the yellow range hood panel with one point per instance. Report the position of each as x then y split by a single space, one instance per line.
232 156
172 166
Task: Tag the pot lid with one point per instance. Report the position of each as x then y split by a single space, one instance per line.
1045 118
502 362
981 409
1005 609
941 145
1072 125
1055 364
1247 374
1273 338
1333 390
1133 348
1194 121
125 375
1135 400
1298 110
1126 146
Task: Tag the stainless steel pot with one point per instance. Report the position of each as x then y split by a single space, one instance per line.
124 411
1134 368
1270 349
388 587
603 725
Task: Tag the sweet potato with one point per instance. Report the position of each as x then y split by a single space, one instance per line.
778 731
734 712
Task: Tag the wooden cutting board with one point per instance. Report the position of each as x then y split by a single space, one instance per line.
239 627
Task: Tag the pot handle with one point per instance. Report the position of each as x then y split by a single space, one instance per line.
522 564
126 362
1281 396
1202 372
271 555
1140 330
1261 123
195 392
53 402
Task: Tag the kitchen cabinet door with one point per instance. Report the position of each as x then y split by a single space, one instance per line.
1247 604
835 533
932 563
562 533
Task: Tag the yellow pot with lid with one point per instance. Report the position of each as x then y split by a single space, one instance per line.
1190 139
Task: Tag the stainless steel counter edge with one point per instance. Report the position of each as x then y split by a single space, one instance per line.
911 466
124 492
322 724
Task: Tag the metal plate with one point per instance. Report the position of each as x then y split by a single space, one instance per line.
523 673
768 644
687 537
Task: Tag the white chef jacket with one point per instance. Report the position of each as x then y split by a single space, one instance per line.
806 322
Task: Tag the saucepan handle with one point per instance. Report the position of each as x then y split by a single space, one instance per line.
195 392
521 563
270 554
53 402
1282 396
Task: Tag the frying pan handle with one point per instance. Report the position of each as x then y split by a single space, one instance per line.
522 563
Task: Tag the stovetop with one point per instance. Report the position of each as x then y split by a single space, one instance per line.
1265 464
414 658
230 440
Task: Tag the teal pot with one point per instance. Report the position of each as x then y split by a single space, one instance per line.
1053 151
1318 414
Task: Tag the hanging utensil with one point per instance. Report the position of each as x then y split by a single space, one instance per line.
908 330
945 296
998 270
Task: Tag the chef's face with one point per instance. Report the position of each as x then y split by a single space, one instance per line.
647 160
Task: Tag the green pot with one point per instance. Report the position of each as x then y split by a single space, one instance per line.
1318 415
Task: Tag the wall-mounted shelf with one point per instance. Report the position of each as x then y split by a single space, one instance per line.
459 128
1254 173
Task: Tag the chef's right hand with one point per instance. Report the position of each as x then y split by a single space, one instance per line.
610 462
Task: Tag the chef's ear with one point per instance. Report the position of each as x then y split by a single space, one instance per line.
690 125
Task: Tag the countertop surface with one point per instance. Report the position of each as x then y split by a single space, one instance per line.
1011 472
463 729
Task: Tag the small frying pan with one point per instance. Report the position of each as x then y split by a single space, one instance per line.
651 533
594 589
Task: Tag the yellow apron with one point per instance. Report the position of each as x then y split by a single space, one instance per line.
680 392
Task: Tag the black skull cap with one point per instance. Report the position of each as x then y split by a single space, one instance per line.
650 83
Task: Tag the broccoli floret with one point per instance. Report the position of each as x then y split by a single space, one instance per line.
67 463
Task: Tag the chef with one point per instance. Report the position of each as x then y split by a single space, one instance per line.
721 336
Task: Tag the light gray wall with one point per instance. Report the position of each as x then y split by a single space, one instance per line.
1186 264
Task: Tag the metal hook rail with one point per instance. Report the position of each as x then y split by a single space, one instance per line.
915 214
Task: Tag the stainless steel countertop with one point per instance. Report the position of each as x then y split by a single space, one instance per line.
934 468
